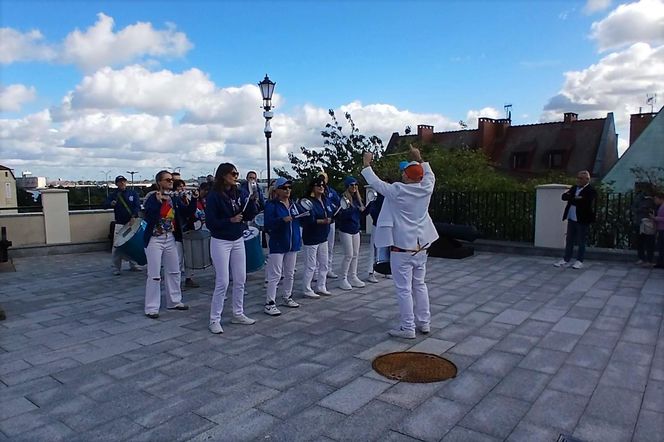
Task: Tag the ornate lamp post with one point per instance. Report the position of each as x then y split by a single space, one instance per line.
132 172
267 88
106 172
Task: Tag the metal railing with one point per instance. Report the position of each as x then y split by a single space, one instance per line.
613 227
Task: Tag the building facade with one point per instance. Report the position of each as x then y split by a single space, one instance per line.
8 198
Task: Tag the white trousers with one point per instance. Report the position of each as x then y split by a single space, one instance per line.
280 264
162 250
330 247
408 273
372 252
351 247
222 253
117 255
188 273
316 255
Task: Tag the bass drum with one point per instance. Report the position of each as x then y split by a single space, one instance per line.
382 261
253 250
130 241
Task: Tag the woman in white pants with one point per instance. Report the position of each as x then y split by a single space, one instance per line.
285 241
315 229
334 200
225 211
162 213
348 222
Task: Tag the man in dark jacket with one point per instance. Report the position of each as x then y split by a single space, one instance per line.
125 204
579 214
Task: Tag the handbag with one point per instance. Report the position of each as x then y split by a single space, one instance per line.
647 227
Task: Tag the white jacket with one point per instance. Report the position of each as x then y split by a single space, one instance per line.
404 219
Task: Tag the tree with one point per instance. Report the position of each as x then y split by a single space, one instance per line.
340 155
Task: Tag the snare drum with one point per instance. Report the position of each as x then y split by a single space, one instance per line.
253 249
130 241
382 261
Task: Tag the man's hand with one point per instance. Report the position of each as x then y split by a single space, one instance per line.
113 203
414 154
237 218
367 158
287 219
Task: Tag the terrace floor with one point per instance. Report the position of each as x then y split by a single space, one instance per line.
541 351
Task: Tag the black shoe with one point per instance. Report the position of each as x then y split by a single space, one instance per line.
191 283
152 315
179 307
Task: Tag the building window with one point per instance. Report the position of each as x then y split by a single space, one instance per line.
520 160
555 160
8 191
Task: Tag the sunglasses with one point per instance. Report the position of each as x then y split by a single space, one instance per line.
235 174
170 180
319 185
285 188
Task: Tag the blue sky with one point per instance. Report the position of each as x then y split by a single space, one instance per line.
391 64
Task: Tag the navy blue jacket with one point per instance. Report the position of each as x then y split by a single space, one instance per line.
152 215
312 232
244 187
333 198
374 208
122 215
219 210
284 236
348 220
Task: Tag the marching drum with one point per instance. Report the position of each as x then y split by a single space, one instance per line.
130 241
259 220
196 247
382 260
253 249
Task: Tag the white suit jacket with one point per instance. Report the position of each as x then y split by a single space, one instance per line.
404 219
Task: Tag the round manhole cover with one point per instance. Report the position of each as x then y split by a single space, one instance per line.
411 366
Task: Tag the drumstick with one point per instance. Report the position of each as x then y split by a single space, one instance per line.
307 213
395 154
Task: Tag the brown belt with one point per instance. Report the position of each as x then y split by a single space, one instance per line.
413 252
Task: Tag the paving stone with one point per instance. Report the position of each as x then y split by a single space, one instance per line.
557 409
383 348
515 343
548 314
639 335
496 363
410 395
494 330
625 375
120 429
248 425
432 345
14 407
639 354
180 428
529 432
523 384
595 430
295 400
55 431
468 387
344 372
368 423
589 356
654 397
649 427
305 426
577 380
572 325
25 422
616 405
547 361
433 419
559 341
512 316
534 328
295 374
473 346
609 323
496 415
353 396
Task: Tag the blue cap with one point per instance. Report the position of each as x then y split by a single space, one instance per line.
349 181
280 182
402 165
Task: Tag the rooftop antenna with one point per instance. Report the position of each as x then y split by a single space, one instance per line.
508 111
651 99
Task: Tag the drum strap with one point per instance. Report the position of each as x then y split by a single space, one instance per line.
124 203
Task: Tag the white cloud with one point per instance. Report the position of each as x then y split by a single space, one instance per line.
642 21
97 46
473 115
14 96
17 46
593 6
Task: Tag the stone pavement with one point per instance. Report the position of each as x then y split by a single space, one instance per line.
541 351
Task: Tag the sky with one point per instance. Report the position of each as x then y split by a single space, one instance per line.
94 89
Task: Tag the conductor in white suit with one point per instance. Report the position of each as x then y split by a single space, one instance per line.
405 226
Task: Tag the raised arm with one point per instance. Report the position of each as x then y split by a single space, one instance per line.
387 190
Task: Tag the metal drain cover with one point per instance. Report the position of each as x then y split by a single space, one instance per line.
411 366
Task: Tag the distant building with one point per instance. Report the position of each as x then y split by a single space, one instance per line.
534 149
646 150
8 198
29 182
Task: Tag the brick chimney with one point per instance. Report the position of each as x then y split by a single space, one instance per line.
424 133
638 123
570 117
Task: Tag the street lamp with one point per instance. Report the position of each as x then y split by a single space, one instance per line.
132 172
106 172
267 88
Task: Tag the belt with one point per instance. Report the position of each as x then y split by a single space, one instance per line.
414 252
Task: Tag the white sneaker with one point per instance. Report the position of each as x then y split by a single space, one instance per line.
324 292
215 327
424 328
561 263
577 265
332 275
271 309
345 285
372 278
357 282
288 302
242 319
310 294
401 333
